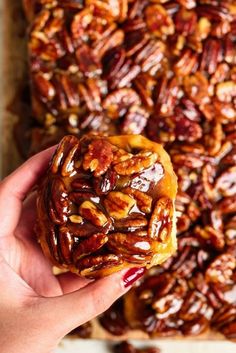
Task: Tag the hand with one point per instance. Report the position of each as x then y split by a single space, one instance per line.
37 309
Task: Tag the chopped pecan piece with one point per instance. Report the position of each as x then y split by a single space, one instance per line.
76 219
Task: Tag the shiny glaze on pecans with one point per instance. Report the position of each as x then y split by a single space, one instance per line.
179 77
99 222
130 67
193 291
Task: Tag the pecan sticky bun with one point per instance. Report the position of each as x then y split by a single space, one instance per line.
107 203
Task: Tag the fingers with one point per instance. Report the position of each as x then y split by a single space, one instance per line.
14 288
14 188
70 282
83 305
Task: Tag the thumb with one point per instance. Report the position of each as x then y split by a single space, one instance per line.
74 309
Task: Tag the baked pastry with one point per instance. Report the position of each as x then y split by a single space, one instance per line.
107 203
178 61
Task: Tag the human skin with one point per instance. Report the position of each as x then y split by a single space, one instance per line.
37 309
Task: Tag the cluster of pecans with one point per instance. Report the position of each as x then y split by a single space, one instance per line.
107 203
167 70
161 68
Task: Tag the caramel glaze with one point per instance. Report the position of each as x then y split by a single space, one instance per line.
157 181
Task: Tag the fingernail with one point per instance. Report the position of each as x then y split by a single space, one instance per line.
132 275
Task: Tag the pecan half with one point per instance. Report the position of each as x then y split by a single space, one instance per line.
221 269
99 157
161 219
63 157
105 183
133 248
91 212
89 246
131 223
136 164
118 204
90 264
58 205
135 120
144 201
118 102
226 182
66 243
